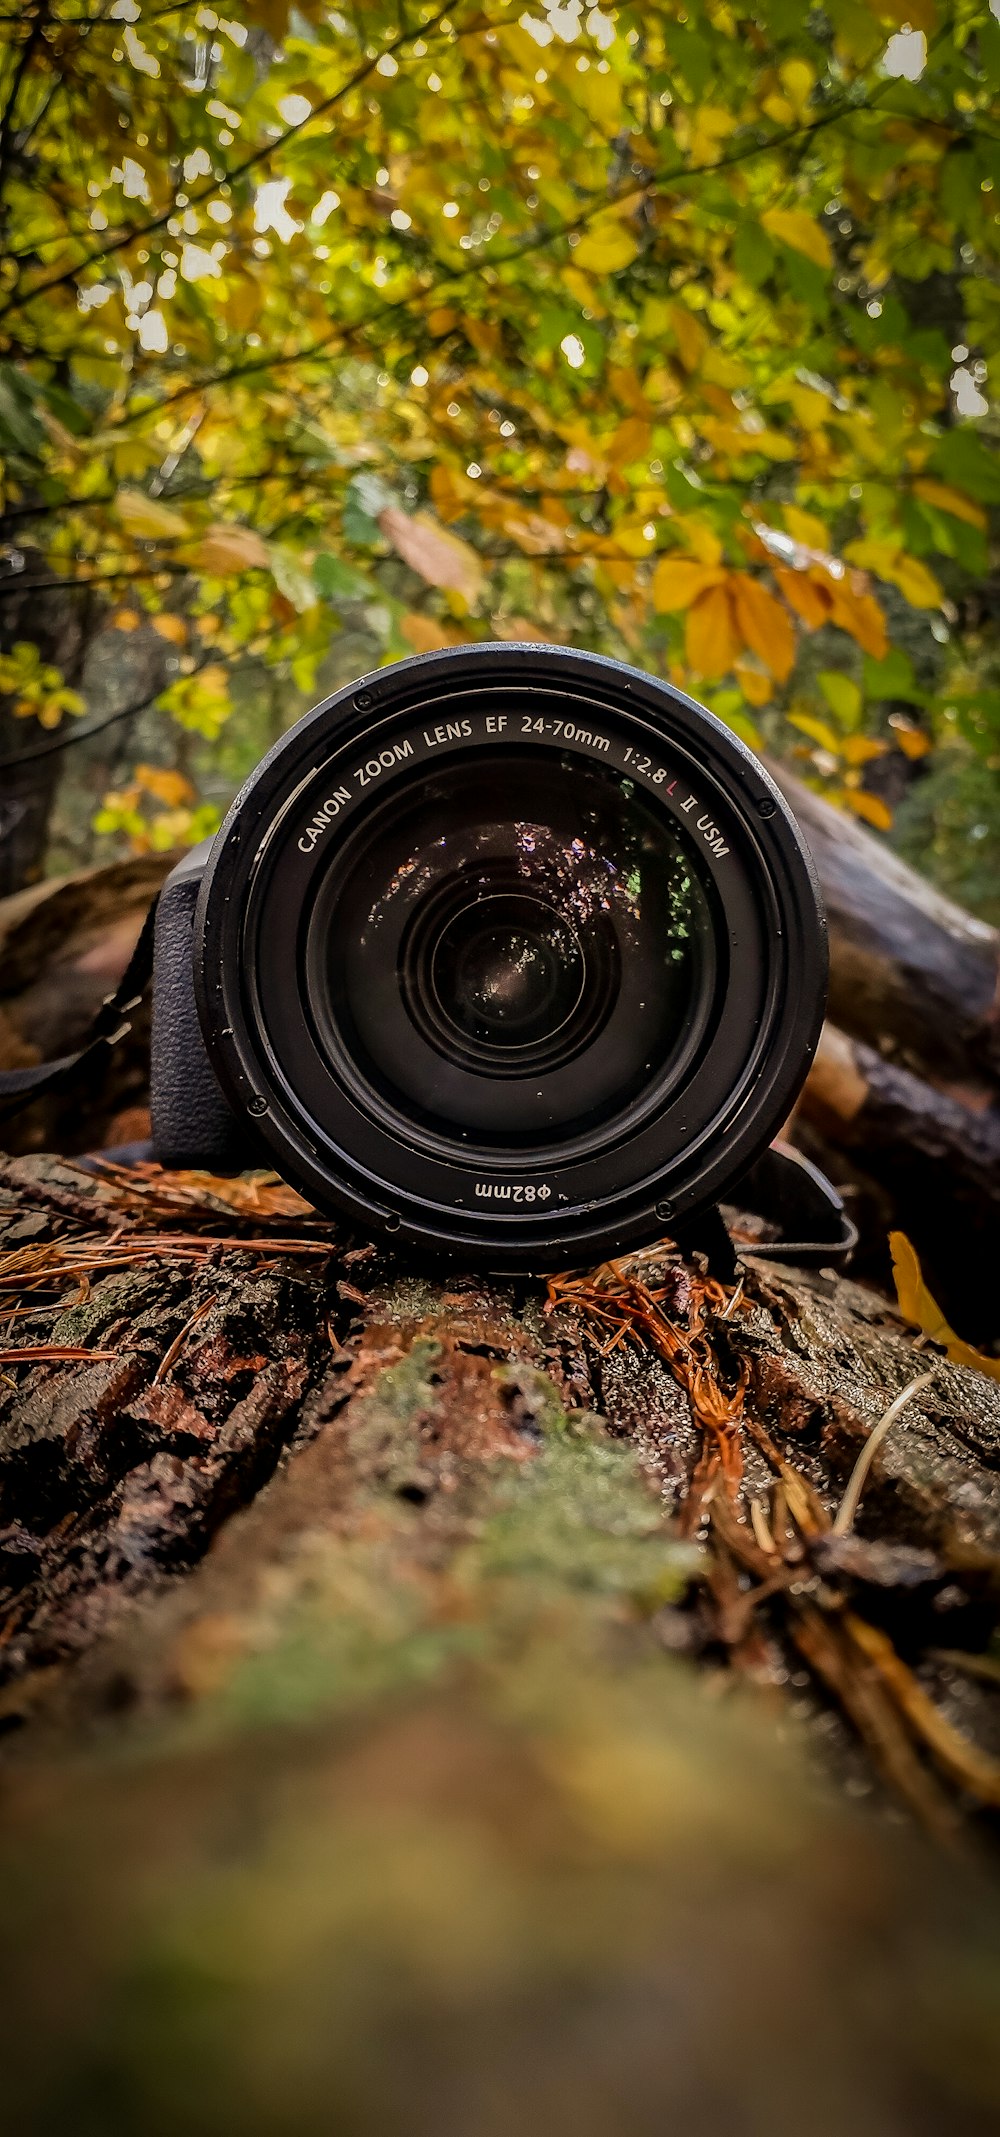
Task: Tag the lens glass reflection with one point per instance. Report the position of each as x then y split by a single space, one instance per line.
519 947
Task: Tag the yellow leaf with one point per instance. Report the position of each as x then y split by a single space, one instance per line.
223 549
700 537
797 228
860 749
690 336
872 555
917 1305
441 558
171 627
817 731
584 291
764 625
797 78
148 520
677 581
124 619
753 682
811 408
712 124
917 585
946 499
631 536
804 527
710 641
870 806
805 594
606 246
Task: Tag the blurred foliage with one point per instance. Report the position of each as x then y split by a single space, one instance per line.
661 329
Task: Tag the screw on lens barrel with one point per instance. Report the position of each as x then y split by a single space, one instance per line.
765 806
664 1210
364 701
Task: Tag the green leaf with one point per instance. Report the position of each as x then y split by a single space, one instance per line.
753 252
336 581
892 678
964 457
842 695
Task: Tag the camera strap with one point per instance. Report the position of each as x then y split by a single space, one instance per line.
19 1086
796 1201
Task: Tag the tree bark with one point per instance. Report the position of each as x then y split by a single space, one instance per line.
911 973
64 944
358 1773
936 1161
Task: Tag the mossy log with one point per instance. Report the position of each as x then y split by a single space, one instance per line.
427 1708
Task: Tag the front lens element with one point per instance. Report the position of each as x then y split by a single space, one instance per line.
522 947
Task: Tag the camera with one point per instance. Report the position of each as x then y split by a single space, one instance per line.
511 952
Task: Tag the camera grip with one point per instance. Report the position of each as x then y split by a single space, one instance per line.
193 1125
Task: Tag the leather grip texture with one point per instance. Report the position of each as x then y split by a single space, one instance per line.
193 1124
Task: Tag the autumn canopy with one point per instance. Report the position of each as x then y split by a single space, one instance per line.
660 328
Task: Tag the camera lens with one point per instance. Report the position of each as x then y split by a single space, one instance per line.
511 954
513 971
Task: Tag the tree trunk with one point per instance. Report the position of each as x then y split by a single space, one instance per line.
64 945
358 1771
936 1161
911 973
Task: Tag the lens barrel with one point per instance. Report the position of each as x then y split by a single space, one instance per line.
512 952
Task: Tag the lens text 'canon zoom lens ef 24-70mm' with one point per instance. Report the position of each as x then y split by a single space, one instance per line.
512 952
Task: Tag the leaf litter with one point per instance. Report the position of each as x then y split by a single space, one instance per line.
783 1552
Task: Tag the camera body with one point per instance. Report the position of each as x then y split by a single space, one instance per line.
193 1124
512 953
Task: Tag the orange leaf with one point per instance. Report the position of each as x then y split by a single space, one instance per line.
870 806
710 639
690 336
805 594
171 627
861 616
124 619
764 625
911 740
167 786
440 558
677 581
424 634
946 499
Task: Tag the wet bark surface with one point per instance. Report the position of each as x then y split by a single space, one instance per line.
507 1646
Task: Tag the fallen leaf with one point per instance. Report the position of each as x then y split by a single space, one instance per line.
917 1305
